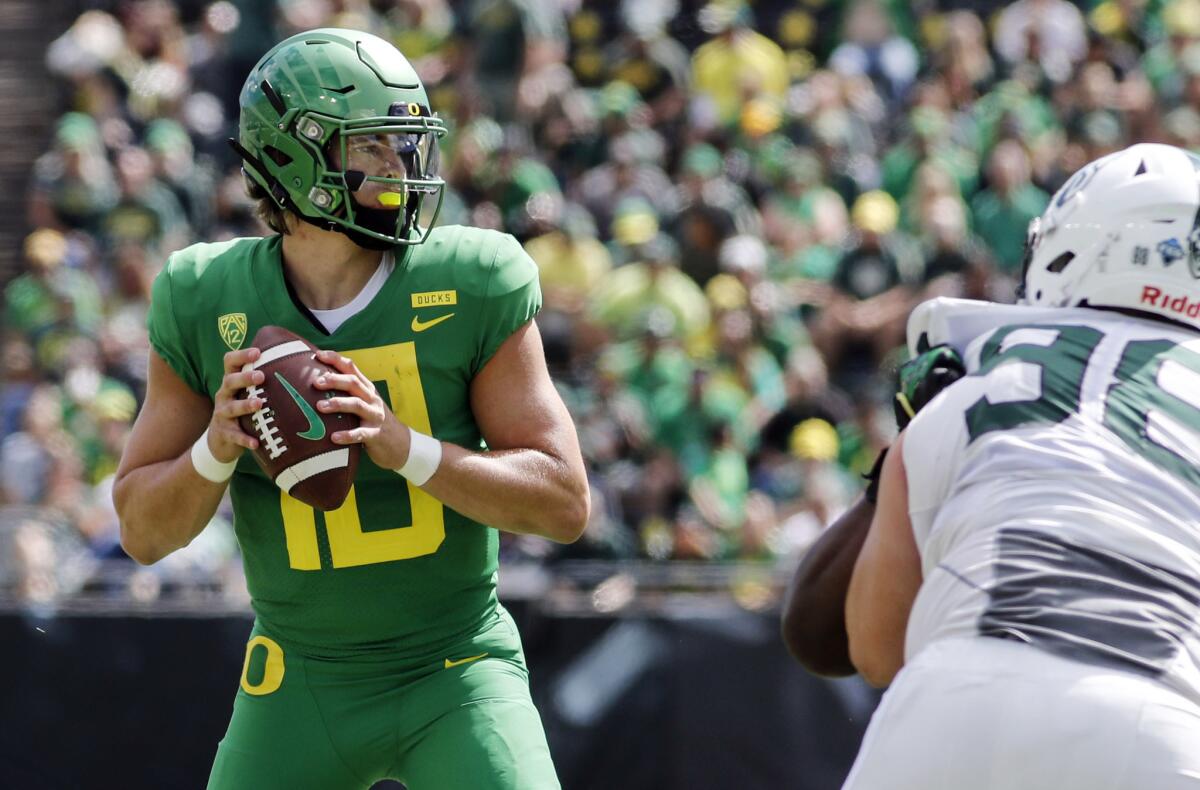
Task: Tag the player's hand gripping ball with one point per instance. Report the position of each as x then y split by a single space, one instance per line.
295 447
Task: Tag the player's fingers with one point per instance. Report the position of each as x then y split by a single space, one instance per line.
334 381
343 381
238 407
231 434
346 366
225 435
352 436
234 360
239 380
348 405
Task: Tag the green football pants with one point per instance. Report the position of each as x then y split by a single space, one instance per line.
465 722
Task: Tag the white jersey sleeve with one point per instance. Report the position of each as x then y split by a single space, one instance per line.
933 448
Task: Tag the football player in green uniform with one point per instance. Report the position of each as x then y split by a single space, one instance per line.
379 648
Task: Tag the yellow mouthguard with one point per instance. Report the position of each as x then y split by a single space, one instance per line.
392 199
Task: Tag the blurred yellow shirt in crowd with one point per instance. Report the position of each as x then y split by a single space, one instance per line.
569 268
632 292
739 66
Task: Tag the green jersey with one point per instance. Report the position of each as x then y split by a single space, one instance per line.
392 569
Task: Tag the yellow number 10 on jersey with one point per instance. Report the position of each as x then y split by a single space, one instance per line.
349 545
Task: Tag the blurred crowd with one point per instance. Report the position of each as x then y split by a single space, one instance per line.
734 206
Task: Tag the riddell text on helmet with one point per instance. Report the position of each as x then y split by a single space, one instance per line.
1176 304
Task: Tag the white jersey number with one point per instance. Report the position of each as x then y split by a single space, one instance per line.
1153 404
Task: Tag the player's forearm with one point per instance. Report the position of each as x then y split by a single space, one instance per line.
814 619
162 507
523 491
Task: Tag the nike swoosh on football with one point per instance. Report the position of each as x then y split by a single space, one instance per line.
316 428
450 663
420 326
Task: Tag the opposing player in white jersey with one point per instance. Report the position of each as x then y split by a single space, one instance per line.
1030 581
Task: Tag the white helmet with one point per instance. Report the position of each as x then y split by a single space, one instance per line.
1123 232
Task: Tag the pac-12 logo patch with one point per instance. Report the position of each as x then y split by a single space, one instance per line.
232 327
1170 250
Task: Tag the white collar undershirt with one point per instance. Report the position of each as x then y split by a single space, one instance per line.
332 319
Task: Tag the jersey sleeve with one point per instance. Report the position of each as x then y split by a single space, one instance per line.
165 336
936 439
512 297
934 444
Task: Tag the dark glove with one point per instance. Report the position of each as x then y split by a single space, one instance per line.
922 378
918 381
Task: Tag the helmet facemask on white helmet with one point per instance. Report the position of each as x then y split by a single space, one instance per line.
1123 232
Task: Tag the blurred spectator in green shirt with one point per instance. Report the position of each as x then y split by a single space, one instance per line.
1002 211
928 139
73 184
189 177
50 294
1161 62
147 213
503 42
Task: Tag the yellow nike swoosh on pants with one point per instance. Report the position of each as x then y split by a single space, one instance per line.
450 663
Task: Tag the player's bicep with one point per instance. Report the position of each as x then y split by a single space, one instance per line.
171 419
886 579
515 402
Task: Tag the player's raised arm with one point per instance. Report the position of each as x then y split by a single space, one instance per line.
174 471
530 481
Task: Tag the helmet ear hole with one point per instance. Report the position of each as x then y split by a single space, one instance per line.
1058 264
277 156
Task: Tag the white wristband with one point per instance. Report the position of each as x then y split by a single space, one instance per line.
207 465
424 457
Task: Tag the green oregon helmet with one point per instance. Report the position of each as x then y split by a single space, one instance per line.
336 127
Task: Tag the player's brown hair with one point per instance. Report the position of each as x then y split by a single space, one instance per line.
266 209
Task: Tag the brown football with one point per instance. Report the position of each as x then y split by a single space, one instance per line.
295 445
